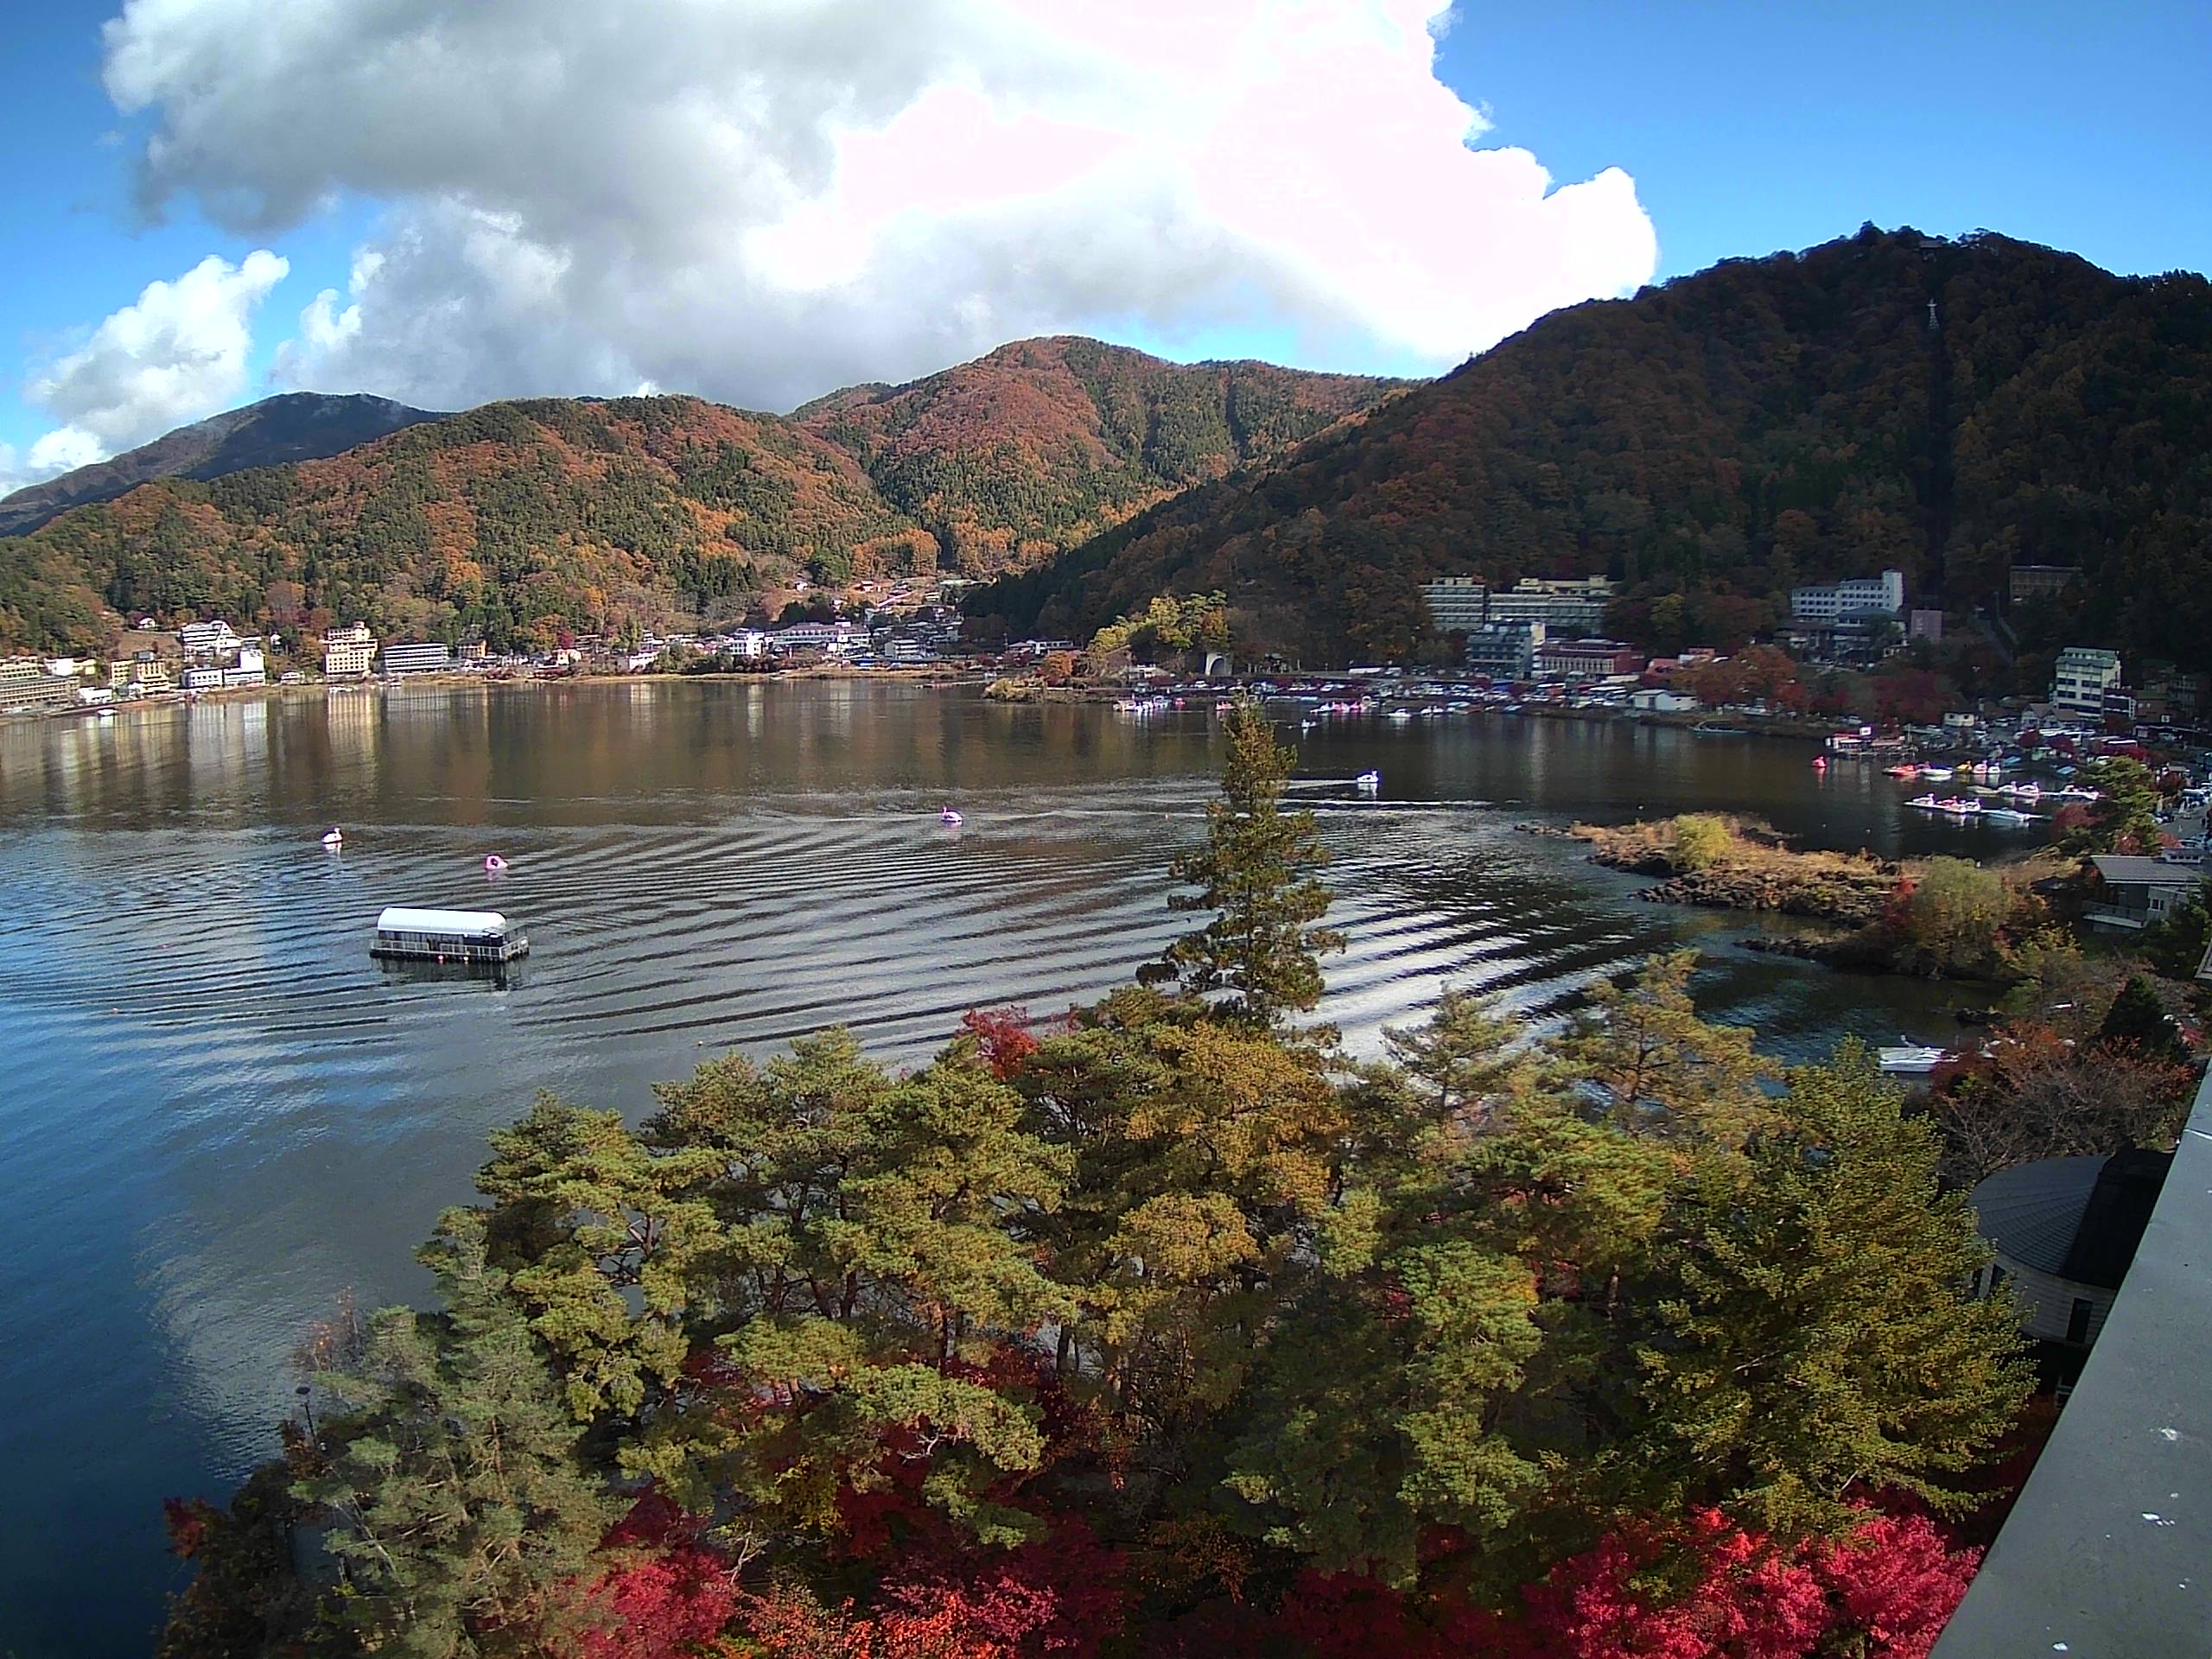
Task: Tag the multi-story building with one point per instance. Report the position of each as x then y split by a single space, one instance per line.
2025 582
401 660
208 642
1577 659
833 638
1456 604
24 684
2084 674
250 668
1573 607
1832 601
349 653
1505 650
746 645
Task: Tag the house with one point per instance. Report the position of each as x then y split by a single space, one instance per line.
1456 604
1574 659
1505 650
2063 1231
2134 892
1659 700
1827 602
2082 677
349 653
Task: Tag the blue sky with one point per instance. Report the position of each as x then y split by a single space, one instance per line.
1745 127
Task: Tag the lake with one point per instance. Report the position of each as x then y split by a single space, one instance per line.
217 1113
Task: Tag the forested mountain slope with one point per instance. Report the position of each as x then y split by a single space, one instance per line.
1715 440
522 519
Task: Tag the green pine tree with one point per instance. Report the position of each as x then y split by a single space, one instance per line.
876 1251
2124 816
462 1512
2137 1017
1255 873
1814 1342
1660 1069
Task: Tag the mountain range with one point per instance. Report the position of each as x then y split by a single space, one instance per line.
295 426
522 519
1950 408
1947 408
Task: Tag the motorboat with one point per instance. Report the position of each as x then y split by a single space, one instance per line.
1910 1059
1907 772
334 836
2008 815
1936 774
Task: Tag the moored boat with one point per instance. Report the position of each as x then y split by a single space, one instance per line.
1910 1059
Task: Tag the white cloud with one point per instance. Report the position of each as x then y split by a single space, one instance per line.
762 199
178 354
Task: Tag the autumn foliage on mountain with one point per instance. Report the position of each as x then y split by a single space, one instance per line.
1713 441
519 520
1163 1328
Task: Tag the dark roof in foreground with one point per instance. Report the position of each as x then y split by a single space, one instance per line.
2077 1217
2108 1553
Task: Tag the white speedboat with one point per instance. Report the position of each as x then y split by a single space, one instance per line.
1910 1059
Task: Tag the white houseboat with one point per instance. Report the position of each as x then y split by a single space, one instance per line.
462 936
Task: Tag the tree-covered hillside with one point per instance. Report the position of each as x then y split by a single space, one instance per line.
1008 459
1713 441
522 519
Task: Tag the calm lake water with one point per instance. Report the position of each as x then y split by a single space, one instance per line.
217 1113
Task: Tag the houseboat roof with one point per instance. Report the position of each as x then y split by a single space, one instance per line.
467 923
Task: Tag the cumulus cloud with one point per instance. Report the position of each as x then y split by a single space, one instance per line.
759 201
178 354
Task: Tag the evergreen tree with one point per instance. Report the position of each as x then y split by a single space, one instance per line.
1254 872
2137 1017
596 1230
462 1510
874 1263
2124 818
1815 1343
1659 1068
